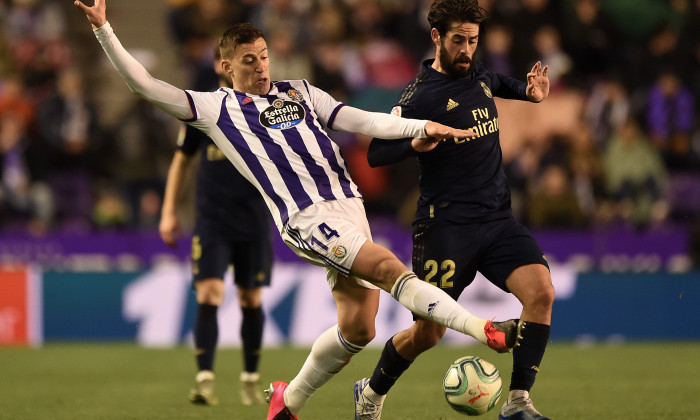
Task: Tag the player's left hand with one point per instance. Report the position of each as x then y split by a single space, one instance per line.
537 83
96 14
440 131
169 229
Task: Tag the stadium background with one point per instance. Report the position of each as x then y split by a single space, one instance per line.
84 162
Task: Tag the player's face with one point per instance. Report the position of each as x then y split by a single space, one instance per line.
455 50
249 68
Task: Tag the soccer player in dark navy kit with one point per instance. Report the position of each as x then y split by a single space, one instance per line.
464 223
232 227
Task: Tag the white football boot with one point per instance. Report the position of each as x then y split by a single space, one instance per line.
365 409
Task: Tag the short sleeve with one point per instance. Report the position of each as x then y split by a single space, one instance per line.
325 106
206 108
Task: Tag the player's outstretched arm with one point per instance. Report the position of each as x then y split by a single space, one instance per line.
385 152
169 226
537 83
165 96
387 126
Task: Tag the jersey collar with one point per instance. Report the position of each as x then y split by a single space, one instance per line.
428 66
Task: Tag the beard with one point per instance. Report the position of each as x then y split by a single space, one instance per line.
451 66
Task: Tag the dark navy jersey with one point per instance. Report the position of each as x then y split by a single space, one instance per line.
461 180
225 200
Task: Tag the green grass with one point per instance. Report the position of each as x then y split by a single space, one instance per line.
122 381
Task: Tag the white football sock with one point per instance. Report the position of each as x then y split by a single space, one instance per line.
432 303
517 393
369 393
329 354
203 375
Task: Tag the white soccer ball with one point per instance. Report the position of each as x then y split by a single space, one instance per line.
472 385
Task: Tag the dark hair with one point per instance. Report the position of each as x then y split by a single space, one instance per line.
240 33
443 13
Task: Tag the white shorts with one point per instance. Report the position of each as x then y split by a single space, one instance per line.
330 234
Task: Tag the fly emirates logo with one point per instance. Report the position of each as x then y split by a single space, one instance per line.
484 125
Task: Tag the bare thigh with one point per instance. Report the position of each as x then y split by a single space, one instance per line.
378 266
357 308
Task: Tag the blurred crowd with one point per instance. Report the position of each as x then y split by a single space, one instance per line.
617 142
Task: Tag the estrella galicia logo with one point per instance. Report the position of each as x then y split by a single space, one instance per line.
295 95
282 114
340 251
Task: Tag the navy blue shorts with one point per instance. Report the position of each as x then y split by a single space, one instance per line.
449 255
213 251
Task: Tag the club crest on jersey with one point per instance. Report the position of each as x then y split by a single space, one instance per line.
487 91
282 115
295 95
396 111
340 251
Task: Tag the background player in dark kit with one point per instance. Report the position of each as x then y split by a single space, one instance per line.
232 228
463 222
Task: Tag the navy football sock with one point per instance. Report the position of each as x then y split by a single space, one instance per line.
388 370
251 335
206 335
528 355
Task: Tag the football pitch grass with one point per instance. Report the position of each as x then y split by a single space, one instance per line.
659 380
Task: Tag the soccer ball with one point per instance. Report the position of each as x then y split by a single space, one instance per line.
472 385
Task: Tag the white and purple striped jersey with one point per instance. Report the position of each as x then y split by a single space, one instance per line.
278 142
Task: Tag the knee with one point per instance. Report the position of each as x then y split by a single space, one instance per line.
365 338
541 296
360 335
210 292
250 298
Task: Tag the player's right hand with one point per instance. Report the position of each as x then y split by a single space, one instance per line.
169 229
97 14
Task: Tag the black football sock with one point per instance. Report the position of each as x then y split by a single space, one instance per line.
251 335
206 334
528 355
388 370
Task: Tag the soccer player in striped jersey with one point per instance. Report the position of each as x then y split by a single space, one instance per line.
463 221
275 135
232 228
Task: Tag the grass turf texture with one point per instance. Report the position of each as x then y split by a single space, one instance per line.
123 381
